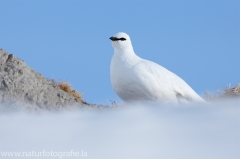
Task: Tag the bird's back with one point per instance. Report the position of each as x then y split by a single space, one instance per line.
168 83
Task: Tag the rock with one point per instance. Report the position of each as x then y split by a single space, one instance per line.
22 88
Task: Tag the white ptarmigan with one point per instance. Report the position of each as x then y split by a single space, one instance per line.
137 80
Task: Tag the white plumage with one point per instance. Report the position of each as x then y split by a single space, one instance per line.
135 79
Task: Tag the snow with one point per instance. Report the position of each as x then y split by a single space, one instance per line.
210 131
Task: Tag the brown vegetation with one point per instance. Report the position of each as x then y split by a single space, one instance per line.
68 88
225 93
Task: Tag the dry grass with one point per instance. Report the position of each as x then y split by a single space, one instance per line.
225 93
68 88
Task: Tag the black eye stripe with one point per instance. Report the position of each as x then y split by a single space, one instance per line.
122 39
116 39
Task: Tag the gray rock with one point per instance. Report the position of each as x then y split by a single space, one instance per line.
22 88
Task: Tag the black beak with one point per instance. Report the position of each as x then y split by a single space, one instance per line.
113 38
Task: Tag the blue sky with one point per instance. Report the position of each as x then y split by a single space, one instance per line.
69 40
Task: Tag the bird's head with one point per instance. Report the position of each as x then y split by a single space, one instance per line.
121 41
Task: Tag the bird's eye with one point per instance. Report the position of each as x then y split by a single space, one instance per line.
122 39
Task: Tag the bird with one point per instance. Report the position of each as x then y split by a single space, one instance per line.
137 80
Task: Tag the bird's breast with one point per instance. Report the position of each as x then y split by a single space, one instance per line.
125 81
